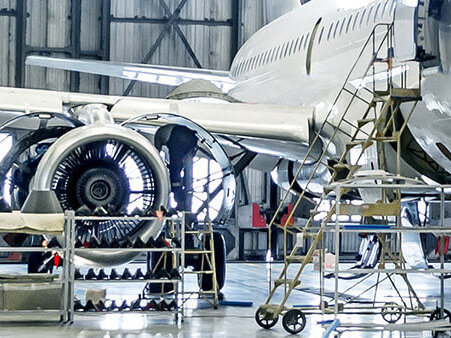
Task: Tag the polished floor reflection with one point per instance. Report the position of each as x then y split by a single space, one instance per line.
245 282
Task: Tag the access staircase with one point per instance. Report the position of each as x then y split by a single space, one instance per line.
377 126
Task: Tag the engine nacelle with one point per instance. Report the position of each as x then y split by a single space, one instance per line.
285 172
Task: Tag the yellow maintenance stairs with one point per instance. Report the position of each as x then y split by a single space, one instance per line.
378 125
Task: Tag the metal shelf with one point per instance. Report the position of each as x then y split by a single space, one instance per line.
31 249
129 249
129 280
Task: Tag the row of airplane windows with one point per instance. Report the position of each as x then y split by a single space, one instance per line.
385 7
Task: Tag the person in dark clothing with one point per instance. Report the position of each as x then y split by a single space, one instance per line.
40 262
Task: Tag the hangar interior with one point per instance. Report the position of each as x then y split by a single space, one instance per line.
126 240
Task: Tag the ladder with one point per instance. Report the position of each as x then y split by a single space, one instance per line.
207 267
377 126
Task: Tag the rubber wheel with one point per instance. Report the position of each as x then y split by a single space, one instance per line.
264 323
391 312
435 315
206 280
294 321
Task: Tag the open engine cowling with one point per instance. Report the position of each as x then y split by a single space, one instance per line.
110 167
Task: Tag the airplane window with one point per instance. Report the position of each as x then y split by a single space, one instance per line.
274 55
355 20
300 43
306 39
385 8
392 7
251 64
266 57
361 19
349 24
287 49
330 31
277 56
369 15
283 50
259 59
295 48
335 30
342 25
377 11
240 68
320 35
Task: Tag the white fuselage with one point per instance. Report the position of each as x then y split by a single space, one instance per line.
287 62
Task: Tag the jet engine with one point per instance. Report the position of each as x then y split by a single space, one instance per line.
94 166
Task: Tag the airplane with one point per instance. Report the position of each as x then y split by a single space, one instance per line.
260 114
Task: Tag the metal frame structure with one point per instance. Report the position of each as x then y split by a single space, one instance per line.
391 255
376 126
178 252
64 279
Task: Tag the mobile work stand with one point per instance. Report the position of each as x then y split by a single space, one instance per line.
394 232
367 120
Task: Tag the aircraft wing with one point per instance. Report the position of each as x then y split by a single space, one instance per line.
274 130
165 75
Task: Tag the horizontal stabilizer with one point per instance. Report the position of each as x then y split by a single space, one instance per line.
165 75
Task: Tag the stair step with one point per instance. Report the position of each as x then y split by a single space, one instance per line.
343 166
365 144
194 252
279 282
206 272
298 259
398 94
364 122
385 139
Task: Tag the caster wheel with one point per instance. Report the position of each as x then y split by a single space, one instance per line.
435 315
294 321
264 322
391 312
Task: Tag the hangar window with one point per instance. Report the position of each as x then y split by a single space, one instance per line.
361 19
330 31
377 12
306 40
321 35
342 25
369 15
349 24
355 20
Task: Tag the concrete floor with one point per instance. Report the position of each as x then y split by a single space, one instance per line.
245 282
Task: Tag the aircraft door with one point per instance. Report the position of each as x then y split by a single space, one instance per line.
405 30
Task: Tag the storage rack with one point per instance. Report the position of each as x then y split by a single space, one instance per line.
63 279
178 253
